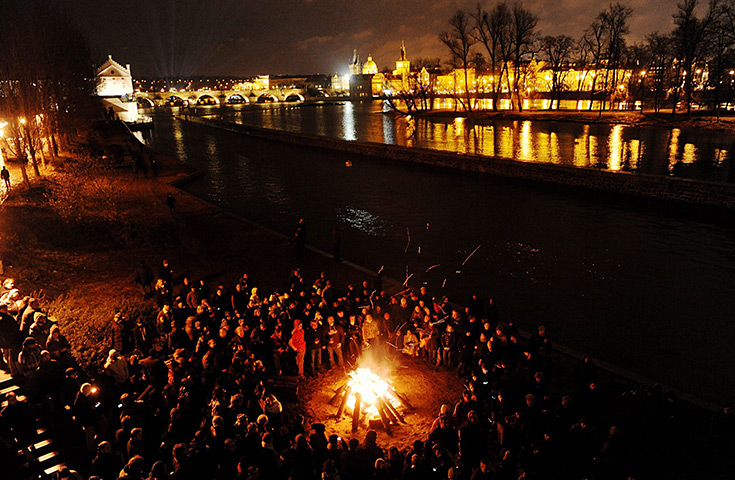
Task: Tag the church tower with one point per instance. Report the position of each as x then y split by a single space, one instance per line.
355 65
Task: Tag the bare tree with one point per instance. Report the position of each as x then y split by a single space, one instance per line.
690 41
493 31
637 59
659 67
557 51
459 40
615 22
524 36
41 93
595 40
427 63
720 57
415 95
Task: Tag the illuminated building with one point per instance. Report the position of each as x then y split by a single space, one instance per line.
361 86
453 83
369 67
369 83
115 88
340 83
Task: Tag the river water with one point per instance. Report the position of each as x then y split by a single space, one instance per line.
704 155
647 289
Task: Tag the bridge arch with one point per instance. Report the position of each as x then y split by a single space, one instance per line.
207 99
175 101
294 97
145 102
236 98
267 98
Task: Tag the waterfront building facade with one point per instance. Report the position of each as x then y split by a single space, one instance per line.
115 88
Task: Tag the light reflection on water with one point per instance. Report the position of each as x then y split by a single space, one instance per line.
363 221
348 122
653 150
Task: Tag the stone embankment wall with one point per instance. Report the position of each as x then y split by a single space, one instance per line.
713 194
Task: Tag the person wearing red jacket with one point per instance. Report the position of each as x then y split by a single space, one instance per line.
298 344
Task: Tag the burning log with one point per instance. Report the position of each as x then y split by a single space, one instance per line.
356 412
369 396
347 391
398 417
384 407
339 392
384 417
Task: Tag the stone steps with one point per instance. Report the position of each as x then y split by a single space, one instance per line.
43 455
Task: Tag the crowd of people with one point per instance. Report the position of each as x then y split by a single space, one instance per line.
185 395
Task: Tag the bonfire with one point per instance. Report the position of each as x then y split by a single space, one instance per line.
367 396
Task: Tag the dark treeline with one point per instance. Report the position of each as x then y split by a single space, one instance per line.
47 79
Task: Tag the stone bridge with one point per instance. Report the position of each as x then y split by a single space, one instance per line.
218 97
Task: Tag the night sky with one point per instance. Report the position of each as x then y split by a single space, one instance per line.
244 38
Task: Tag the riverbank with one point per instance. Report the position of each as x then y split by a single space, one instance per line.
699 193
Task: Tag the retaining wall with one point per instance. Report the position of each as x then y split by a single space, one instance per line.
697 192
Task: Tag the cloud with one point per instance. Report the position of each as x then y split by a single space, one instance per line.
321 41
221 37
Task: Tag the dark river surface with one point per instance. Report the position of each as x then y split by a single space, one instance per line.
647 289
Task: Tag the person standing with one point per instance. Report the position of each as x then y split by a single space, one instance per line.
154 165
335 337
370 331
298 344
5 175
313 337
10 340
300 240
171 202
144 278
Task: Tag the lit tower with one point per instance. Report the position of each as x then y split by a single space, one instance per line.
355 67
403 65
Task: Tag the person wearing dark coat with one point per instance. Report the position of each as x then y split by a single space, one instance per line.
19 417
144 278
120 340
106 464
314 337
142 336
86 412
166 273
448 347
29 357
10 339
538 340
300 240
